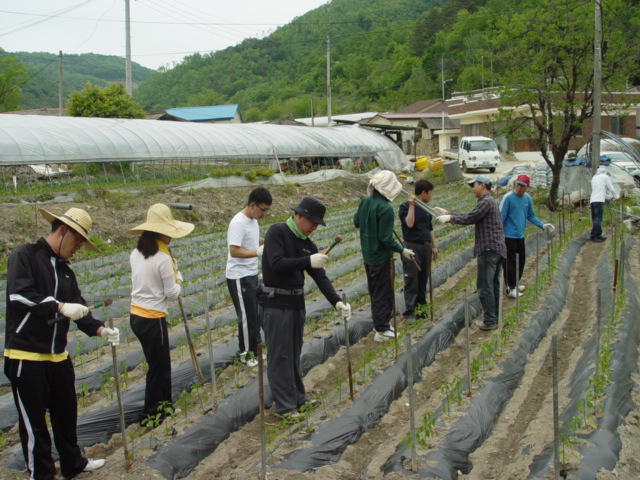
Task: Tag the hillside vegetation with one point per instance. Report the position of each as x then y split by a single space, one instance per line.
384 55
41 91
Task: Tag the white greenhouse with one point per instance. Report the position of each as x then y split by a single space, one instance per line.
38 140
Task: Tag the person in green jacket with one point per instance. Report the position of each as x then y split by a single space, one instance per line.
375 218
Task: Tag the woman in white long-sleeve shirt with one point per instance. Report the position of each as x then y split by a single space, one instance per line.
156 280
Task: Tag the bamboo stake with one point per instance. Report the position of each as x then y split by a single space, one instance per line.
192 349
430 258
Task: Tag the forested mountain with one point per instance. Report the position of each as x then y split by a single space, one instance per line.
373 64
42 89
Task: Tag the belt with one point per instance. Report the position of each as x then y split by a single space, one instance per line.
283 291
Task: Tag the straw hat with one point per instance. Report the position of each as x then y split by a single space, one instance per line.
160 220
76 218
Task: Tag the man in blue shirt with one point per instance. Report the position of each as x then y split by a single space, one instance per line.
516 207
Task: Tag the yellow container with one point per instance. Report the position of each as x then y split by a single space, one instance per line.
436 163
421 163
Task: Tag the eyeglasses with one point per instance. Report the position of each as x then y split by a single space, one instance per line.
79 238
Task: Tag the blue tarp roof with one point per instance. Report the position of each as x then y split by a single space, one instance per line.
204 114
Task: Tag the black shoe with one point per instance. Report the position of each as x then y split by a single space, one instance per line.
598 239
486 326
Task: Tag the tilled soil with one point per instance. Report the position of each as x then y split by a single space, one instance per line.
521 431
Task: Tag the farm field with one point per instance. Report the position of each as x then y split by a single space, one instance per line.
488 418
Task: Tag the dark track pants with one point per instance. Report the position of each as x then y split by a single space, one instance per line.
154 338
379 285
244 296
283 331
415 282
38 387
514 246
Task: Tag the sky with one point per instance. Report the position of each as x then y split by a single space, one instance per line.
163 32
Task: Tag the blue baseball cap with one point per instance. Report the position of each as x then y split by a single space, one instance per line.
480 179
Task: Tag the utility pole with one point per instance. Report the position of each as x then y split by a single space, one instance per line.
328 81
597 87
60 84
127 65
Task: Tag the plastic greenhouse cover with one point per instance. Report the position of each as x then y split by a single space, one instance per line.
32 139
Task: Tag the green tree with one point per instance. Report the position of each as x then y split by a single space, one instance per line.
108 102
545 59
13 76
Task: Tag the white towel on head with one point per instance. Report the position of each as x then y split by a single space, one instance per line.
386 183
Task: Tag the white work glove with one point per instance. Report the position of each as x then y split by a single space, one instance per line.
547 227
344 309
260 251
111 335
318 260
408 254
441 211
74 311
444 218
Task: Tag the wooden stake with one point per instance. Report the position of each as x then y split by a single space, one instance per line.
556 430
212 364
123 426
263 440
393 304
192 348
346 343
412 420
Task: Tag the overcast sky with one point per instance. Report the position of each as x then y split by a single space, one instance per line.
162 31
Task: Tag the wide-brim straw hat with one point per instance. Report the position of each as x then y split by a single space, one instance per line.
160 220
76 218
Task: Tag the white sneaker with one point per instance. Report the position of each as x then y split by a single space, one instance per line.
384 336
513 294
521 288
94 464
248 359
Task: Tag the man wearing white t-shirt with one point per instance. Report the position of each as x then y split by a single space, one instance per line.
245 247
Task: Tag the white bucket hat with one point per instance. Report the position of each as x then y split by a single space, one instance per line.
76 218
160 220
386 183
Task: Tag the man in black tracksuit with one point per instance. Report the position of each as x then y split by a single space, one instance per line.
41 286
288 253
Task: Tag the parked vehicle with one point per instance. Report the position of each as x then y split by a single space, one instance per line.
619 158
475 153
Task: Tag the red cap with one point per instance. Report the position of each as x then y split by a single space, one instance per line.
523 180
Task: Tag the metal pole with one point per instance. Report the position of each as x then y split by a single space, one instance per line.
412 420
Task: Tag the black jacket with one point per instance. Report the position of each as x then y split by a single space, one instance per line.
37 279
285 259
